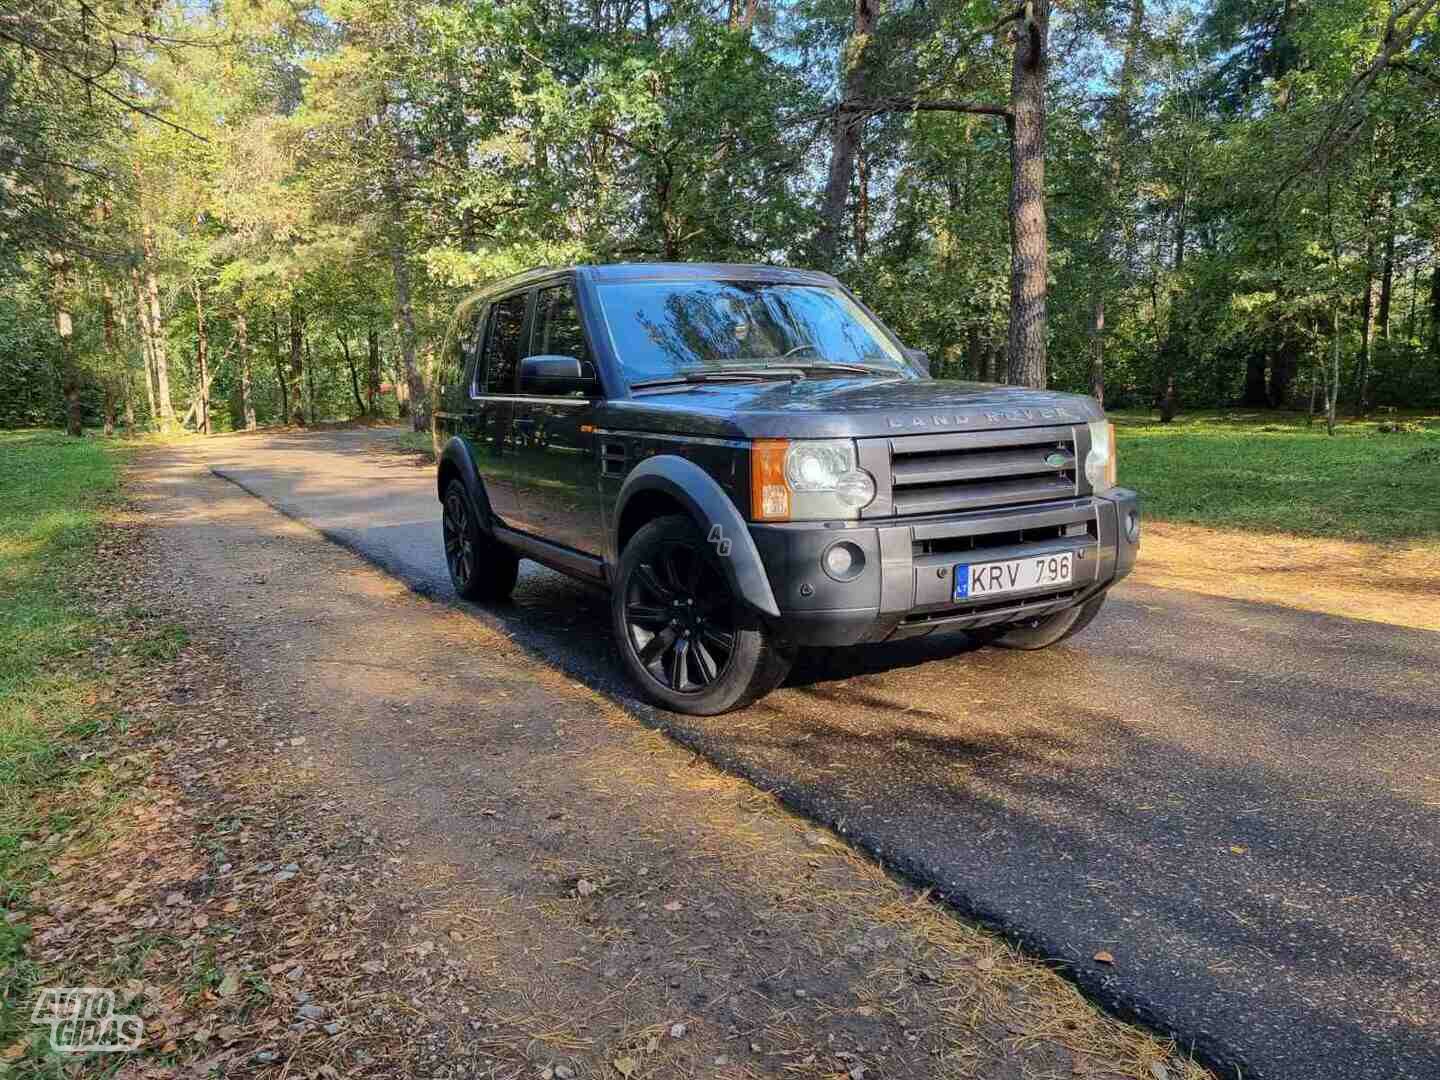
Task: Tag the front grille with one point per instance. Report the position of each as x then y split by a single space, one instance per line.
932 474
960 545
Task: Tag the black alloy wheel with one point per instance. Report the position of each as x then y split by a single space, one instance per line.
481 568
685 635
680 619
459 542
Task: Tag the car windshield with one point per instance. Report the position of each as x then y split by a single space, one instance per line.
675 329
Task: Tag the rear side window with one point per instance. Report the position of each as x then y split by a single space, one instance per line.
557 329
502 344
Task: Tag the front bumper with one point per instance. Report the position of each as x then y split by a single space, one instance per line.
904 589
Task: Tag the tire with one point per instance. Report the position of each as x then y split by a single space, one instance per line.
683 634
1051 630
481 568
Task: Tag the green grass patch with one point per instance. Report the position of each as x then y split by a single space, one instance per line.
1272 472
54 702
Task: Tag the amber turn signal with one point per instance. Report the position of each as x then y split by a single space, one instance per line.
769 494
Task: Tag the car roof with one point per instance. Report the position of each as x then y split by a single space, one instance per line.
663 271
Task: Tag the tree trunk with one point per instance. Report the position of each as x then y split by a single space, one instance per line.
143 324
296 374
202 358
1097 347
1387 279
114 361
1314 382
742 16
1169 400
1435 313
1029 252
372 372
1283 368
65 332
157 335
974 355
405 312
1117 147
354 375
845 135
665 215
1255 395
279 366
862 203
314 412
1332 387
1414 302
1367 331
247 393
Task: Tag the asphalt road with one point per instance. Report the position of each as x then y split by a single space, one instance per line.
1239 802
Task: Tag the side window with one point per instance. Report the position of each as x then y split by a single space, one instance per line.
502 344
557 330
473 337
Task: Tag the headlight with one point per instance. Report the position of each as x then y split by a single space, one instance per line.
807 480
1100 462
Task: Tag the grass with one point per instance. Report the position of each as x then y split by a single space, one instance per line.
1270 472
58 716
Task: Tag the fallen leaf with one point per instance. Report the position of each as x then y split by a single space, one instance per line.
674 905
985 963
230 984
1236 849
586 888
1103 957
626 1066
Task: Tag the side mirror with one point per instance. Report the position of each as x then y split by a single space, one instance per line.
919 359
559 376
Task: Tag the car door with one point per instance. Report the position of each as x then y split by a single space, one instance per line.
557 475
490 420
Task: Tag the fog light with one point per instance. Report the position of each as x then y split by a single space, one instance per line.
855 489
843 561
1132 526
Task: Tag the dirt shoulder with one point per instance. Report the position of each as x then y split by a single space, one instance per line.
1398 584
380 839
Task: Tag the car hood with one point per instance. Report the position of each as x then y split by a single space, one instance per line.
845 408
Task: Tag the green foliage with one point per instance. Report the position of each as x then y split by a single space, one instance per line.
1217 187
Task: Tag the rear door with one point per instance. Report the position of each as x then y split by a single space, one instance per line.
557 476
492 416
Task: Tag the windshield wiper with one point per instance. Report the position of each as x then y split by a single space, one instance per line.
863 369
725 375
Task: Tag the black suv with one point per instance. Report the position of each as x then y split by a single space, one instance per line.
751 462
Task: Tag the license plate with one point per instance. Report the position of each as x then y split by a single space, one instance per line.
975 581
